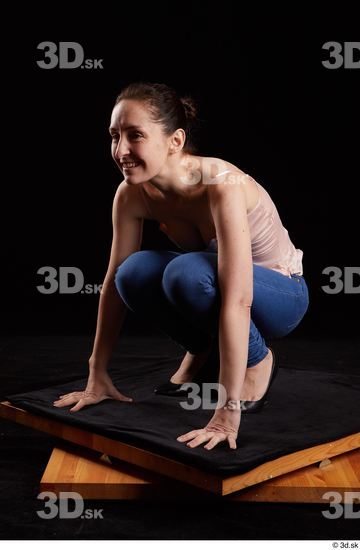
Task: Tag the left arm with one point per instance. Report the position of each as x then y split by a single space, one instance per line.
235 275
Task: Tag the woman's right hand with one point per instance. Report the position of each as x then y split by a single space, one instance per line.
99 387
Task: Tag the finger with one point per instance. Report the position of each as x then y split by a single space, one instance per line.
66 401
59 404
70 395
201 438
189 435
213 442
77 393
232 442
116 396
120 397
82 403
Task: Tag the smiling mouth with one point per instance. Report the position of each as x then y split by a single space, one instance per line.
128 165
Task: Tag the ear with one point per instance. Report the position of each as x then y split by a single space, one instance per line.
177 141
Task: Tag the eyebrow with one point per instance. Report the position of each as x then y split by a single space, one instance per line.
112 129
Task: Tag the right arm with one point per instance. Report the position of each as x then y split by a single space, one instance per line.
127 219
127 235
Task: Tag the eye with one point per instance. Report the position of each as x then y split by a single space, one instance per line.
136 136
115 137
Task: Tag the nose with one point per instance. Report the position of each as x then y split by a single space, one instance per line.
121 149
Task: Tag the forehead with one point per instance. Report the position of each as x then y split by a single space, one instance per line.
130 113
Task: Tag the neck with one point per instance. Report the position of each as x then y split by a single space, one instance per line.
180 177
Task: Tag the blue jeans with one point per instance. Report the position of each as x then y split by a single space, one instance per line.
180 295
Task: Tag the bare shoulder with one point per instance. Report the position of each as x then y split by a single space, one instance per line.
223 177
231 182
128 199
214 166
229 186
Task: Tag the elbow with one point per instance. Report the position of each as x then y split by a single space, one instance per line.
238 302
244 303
237 295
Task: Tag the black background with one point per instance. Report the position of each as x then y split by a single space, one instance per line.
266 103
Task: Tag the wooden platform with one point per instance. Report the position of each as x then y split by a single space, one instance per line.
163 466
96 476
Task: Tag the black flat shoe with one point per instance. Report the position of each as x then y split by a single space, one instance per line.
255 406
171 389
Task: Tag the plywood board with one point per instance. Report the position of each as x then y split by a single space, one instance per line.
96 476
176 470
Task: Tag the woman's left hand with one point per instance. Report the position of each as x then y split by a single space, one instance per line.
223 426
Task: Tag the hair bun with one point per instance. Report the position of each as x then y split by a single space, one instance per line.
189 107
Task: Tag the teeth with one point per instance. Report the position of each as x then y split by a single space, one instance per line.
130 164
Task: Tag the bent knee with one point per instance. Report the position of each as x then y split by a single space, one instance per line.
141 269
130 273
188 275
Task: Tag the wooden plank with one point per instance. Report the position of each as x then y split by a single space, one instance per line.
309 484
291 462
174 469
97 477
111 447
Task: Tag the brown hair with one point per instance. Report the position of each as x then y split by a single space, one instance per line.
166 108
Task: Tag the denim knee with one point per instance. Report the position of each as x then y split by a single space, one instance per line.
188 282
129 276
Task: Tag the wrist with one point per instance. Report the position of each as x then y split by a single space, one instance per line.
96 365
229 405
229 418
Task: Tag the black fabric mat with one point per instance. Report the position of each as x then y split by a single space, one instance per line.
33 361
305 408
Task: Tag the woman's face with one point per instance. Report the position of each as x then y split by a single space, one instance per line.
139 146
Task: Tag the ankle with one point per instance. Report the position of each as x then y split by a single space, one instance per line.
189 367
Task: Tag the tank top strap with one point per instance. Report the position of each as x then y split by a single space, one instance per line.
222 173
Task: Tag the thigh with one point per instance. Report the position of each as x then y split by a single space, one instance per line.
279 302
142 271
